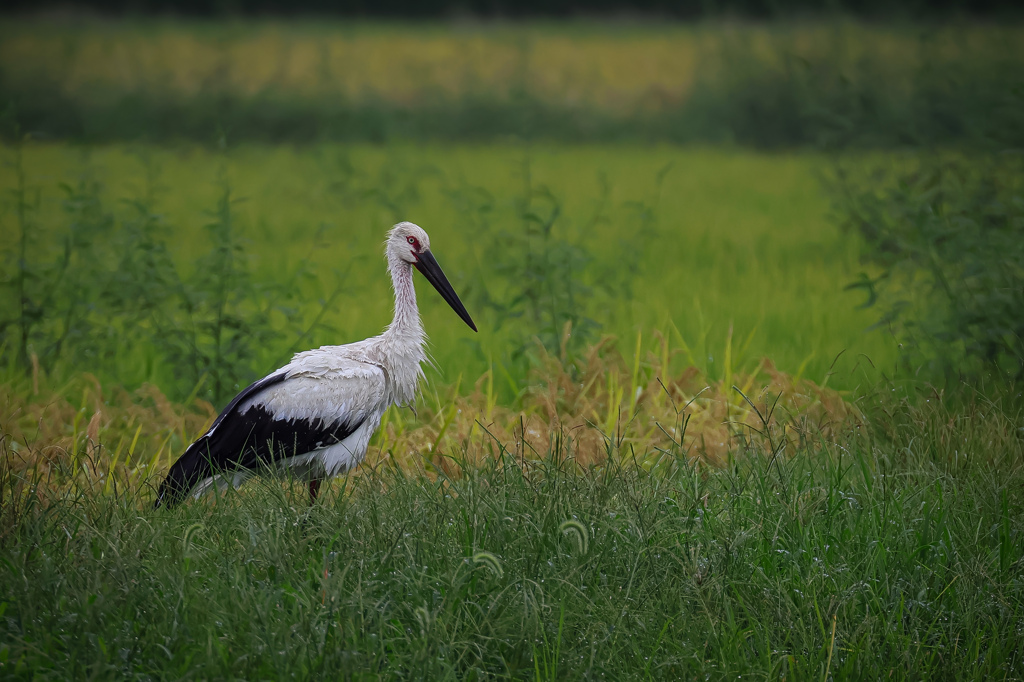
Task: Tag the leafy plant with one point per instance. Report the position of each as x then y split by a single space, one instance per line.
949 235
104 281
546 292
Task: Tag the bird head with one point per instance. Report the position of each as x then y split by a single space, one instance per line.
409 243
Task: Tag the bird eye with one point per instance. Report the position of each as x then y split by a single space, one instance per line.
412 240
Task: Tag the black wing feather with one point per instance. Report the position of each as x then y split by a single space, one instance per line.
248 440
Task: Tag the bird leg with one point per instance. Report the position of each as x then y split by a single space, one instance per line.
314 490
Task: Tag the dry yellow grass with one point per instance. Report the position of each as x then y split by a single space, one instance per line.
600 405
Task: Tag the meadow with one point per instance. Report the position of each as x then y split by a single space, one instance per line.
682 242
891 558
680 444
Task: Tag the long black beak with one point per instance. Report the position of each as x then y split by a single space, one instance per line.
428 266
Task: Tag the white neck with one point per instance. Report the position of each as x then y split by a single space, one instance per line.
407 315
403 341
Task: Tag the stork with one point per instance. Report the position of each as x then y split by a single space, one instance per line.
315 415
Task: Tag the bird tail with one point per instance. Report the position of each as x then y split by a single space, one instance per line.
192 467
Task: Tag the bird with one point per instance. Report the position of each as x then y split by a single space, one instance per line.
315 416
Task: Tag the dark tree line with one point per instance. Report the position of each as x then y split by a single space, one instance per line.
421 9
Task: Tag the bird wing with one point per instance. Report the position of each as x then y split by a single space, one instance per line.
314 402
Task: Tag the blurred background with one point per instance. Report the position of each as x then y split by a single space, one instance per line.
194 190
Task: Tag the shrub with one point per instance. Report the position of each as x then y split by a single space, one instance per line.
99 291
948 233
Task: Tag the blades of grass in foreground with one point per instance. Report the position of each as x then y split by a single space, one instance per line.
899 561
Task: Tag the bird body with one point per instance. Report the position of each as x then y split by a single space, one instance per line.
315 416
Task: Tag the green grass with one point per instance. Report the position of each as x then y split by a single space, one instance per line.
894 554
732 247
543 515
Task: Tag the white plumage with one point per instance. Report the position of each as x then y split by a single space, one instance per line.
315 416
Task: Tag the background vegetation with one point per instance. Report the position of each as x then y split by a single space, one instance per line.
948 231
614 240
836 85
757 9
746 394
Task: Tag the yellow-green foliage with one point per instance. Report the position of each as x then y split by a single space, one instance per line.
739 241
618 69
606 405
737 262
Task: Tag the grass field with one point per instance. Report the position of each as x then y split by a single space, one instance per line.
676 448
728 240
892 556
686 272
